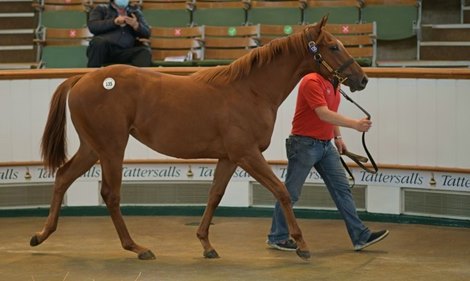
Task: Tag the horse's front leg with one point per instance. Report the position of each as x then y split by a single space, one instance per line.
223 172
258 168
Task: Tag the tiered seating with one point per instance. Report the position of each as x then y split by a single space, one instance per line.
17 23
270 32
224 44
395 19
397 27
61 32
445 42
225 29
167 13
338 11
276 12
180 46
64 47
201 45
441 40
62 13
465 11
226 39
225 13
359 40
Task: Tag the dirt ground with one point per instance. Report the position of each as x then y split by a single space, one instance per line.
87 248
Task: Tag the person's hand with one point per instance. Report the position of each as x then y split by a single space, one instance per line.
363 125
340 145
132 21
120 20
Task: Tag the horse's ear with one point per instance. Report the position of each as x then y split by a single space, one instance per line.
323 21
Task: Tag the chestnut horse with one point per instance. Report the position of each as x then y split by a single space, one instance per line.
232 110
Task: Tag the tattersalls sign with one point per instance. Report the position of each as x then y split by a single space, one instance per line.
205 172
9 174
393 178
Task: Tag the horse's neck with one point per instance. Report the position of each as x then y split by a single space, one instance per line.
278 78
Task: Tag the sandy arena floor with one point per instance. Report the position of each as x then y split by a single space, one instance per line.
87 248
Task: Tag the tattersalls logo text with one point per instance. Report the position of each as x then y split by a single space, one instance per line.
313 175
208 172
205 172
455 181
393 179
139 172
9 174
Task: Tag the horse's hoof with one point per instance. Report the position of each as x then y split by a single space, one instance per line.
305 255
147 255
212 254
34 241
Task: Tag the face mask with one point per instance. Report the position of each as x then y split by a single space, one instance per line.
121 3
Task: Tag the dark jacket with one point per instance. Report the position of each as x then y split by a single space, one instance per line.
101 23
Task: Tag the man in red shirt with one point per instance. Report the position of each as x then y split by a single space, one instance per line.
316 122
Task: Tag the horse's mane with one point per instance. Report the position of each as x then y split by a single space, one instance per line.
256 58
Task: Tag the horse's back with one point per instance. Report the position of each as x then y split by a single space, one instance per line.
116 86
156 108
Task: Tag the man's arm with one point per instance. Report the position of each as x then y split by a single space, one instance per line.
339 143
144 29
361 125
141 27
97 24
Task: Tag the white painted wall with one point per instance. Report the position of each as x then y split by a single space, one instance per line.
422 122
416 122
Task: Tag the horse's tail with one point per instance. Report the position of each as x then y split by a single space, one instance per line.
54 139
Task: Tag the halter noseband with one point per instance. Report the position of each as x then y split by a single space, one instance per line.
313 49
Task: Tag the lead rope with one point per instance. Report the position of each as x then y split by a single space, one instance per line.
359 160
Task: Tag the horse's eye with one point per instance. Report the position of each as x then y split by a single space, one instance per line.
334 48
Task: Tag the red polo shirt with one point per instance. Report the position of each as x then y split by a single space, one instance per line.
314 91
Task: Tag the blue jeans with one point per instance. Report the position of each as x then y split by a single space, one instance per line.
303 153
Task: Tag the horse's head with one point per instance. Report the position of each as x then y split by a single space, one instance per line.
333 59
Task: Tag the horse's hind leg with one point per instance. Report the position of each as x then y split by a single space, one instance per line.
81 162
258 168
223 172
110 191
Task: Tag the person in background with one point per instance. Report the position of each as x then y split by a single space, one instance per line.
117 28
316 122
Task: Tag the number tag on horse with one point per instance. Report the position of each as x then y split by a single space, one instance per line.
109 83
